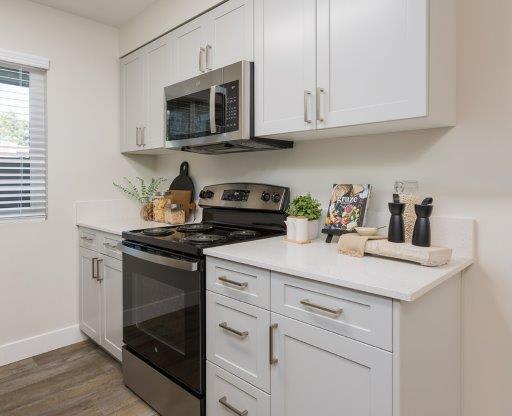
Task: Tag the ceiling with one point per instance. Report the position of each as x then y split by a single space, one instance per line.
110 12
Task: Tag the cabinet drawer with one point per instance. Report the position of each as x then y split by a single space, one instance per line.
237 339
89 239
228 394
238 281
111 246
357 315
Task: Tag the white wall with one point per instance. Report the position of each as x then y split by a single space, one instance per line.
466 169
38 273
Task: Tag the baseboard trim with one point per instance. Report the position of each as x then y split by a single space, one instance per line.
39 344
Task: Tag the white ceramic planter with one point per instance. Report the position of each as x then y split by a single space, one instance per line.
313 229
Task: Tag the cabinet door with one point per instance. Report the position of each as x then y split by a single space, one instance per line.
133 103
158 76
230 34
189 49
372 61
284 65
111 277
89 295
321 373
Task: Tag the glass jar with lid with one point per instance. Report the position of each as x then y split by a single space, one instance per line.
174 214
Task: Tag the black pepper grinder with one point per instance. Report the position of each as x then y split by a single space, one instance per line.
421 234
396 222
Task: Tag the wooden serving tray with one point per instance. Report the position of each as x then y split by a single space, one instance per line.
426 256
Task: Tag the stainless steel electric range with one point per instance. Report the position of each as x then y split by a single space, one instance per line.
164 292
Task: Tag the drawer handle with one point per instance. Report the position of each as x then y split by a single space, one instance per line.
225 280
272 359
112 246
241 334
224 402
87 238
309 304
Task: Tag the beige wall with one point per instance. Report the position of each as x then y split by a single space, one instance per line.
466 169
38 272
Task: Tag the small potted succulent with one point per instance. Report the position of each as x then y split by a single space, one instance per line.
308 207
143 194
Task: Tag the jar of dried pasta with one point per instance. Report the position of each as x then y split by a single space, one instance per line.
159 204
175 214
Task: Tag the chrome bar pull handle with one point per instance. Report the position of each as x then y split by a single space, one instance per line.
309 304
143 136
137 136
98 277
208 57
201 53
272 359
84 237
93 263
225 280
241 334
224 402
319 93
307 96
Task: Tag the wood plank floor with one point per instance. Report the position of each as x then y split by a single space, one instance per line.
77 380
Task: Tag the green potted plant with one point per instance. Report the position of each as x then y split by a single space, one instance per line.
143 194
307 207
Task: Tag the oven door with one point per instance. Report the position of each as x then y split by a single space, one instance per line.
163 312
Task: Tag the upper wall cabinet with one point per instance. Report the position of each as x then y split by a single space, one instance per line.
144 74
218 38
331 68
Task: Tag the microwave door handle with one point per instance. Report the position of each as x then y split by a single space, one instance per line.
213 126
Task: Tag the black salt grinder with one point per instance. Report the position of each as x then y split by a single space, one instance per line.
396 222
421 234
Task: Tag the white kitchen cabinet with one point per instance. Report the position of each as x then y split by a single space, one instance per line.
284 66
371 64
372 61
228 395
132 100
90 290
158 76
189 49
318 372
101 291
230 34
111 278
320 355
144 75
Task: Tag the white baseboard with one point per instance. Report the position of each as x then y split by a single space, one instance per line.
39 344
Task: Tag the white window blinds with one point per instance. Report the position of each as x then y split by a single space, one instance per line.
23 182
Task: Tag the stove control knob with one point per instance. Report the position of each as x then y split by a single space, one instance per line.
208 194
202 194
265 196
276 198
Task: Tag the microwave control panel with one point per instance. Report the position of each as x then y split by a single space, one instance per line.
232 106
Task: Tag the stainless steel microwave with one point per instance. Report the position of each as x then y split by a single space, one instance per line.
213 113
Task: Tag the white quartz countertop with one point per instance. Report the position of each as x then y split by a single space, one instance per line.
321 262
118 225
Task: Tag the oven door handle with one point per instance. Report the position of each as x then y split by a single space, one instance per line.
181 264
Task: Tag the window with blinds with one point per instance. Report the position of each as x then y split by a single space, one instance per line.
22 142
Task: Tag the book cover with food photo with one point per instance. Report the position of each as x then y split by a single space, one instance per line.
347 208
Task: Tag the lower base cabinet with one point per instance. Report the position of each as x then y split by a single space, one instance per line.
229 395
317 372
101 295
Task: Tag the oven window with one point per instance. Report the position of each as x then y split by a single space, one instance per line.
162 317
188 117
